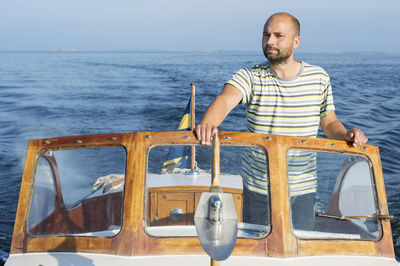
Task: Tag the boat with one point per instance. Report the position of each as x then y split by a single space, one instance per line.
105 200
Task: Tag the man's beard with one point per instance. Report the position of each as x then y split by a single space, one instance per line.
278 57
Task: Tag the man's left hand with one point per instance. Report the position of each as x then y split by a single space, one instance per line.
356 137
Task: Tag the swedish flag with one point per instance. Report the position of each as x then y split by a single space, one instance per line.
178 155
185 122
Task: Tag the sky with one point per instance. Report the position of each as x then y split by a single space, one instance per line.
191 25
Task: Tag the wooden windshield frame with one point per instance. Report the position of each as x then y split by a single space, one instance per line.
132 239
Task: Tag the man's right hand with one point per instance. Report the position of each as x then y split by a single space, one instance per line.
205 133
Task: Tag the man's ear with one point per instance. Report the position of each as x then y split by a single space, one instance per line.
296 42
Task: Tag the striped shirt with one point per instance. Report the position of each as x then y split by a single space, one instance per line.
285 107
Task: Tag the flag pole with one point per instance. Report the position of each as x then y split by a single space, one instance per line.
192 122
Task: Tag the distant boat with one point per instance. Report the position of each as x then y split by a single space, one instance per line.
64 50
208 51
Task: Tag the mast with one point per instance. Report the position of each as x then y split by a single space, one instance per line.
192 122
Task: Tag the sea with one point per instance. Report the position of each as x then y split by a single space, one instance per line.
52 94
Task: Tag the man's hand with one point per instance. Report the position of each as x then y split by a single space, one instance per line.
356 137
205 133
334 129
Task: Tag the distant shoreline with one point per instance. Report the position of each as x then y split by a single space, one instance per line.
205 51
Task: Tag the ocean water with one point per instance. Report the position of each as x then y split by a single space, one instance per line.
44 94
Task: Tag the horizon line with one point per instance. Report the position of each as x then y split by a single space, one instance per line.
73 50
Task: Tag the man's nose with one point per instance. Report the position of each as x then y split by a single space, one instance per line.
270 39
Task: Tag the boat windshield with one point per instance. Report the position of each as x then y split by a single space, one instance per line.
175 184
332 195
78 192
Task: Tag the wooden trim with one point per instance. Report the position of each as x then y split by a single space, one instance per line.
189 194
19 244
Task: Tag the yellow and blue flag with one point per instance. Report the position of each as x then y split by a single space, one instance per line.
185 122
178 155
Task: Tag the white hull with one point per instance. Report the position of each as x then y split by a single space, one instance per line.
83 259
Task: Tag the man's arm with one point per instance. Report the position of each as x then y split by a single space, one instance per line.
229 98
334 129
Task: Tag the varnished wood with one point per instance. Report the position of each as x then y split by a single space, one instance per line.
192 125
180 200
187 195
214 263
132 239
215 177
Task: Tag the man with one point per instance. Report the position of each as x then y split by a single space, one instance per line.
286 97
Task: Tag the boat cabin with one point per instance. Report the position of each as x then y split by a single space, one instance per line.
115 199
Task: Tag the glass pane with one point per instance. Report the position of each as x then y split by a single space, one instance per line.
174 188
44 195
357 189
87 187
332 196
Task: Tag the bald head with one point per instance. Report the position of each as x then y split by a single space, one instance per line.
280 38
289 18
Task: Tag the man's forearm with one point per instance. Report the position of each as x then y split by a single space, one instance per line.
335 130
332 126
213 117
215 113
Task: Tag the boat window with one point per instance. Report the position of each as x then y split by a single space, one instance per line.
332 196
78 192
44 196
175 185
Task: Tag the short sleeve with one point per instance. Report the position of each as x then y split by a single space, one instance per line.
243 81
327 99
